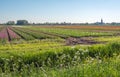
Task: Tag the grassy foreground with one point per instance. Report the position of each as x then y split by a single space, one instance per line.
90 61
93 68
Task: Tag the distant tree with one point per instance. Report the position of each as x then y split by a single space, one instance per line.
113 23
33 23
22 22
10 23
86 23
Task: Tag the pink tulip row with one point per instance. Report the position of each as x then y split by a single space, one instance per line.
12 34
7 34
4 34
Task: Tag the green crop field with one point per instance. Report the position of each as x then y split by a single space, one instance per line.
59 51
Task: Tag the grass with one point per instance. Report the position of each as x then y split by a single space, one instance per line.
108 39
104 60
105 69
57 56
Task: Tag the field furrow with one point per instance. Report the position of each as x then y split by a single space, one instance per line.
23 34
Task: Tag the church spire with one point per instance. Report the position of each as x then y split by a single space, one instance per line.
102 21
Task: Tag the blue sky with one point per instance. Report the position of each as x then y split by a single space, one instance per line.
60 10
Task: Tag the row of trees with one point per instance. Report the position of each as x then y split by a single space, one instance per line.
19 22
25 22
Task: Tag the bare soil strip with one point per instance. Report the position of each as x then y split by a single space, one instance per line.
82 40
9 39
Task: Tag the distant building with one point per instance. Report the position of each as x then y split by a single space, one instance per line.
22 22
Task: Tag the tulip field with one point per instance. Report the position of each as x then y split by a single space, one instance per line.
59 51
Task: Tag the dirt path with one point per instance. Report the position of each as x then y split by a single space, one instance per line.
82 40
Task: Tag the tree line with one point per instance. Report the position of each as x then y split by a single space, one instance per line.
25 22
19 22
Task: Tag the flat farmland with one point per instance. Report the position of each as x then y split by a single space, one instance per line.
60 51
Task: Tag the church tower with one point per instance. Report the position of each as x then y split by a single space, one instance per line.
102 21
